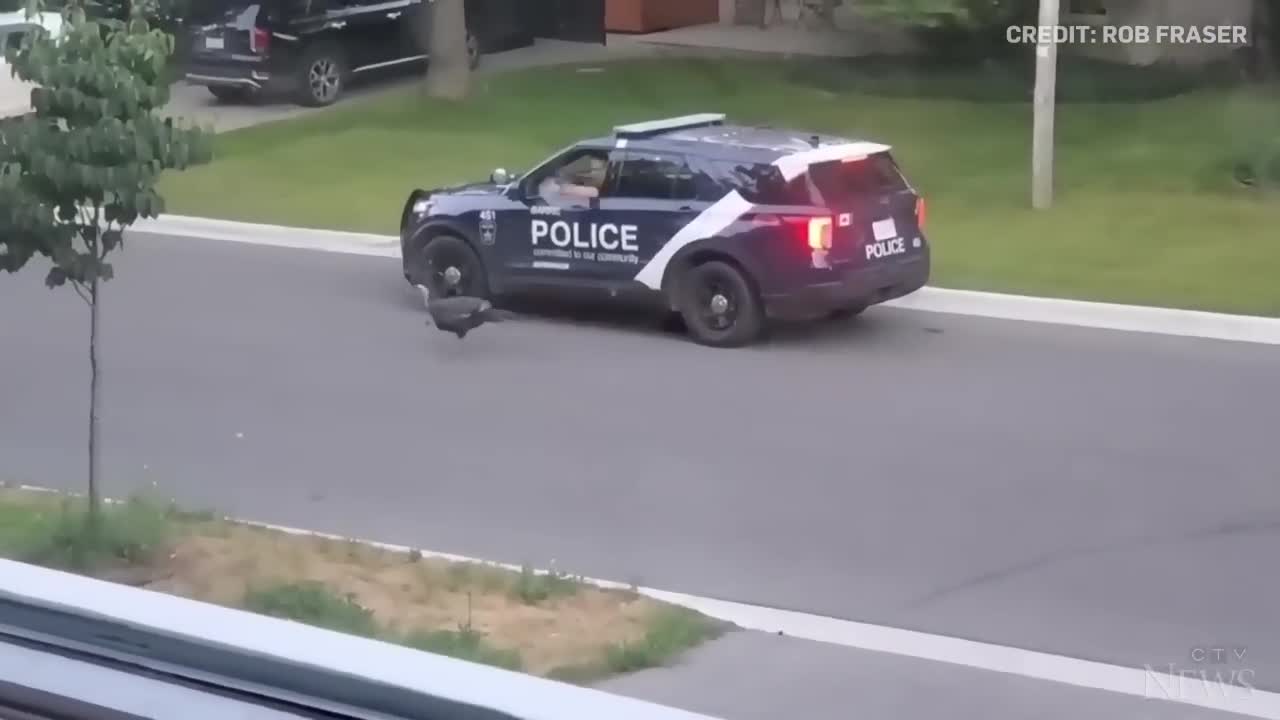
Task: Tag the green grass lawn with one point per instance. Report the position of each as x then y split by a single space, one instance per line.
1145 213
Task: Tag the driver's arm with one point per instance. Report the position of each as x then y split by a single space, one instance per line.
585 191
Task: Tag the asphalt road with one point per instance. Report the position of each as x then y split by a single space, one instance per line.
754 676
1102 495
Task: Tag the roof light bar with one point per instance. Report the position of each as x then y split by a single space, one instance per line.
655 127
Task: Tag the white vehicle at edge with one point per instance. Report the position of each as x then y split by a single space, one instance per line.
15 95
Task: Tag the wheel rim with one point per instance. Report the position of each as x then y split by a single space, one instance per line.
450 272
717 304
324 79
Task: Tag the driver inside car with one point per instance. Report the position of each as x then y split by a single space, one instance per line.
575 182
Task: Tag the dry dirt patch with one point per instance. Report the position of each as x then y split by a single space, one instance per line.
545 624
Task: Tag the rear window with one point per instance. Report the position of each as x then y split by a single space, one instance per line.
213 11
757 184
827 184
838 182
12 41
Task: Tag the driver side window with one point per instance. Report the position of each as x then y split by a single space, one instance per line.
573 180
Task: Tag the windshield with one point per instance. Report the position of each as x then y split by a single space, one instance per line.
825 359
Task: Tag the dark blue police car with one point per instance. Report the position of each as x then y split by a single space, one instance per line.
727 225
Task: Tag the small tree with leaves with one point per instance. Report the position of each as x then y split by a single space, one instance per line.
84 165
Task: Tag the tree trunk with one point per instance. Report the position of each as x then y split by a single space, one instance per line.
449 68
95 499
1266 14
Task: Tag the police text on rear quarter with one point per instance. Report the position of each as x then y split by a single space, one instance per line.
729 226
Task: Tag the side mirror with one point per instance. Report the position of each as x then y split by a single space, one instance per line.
500 177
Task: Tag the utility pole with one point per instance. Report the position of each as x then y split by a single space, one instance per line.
1045 100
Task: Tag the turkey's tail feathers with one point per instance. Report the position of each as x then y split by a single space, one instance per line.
493 314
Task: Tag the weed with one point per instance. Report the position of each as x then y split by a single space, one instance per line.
533 587
132 533
670 632
313 603
465 643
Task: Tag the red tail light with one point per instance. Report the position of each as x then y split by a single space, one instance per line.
814 231
259 40
921 213
819 232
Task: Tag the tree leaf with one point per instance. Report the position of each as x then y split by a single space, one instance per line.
57 277
111 239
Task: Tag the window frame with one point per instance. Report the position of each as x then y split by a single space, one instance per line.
530 182
618 166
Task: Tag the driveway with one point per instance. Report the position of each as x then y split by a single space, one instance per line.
194 103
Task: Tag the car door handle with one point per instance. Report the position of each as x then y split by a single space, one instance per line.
394 15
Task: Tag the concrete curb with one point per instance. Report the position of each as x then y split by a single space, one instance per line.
1077 313
350 243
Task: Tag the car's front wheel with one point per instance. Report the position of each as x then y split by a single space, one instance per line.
450 267
719 305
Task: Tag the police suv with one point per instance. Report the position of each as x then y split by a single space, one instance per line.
727 225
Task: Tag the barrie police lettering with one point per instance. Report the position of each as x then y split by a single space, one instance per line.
595 236
545 210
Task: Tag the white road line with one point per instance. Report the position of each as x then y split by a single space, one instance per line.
1138 682
1077 313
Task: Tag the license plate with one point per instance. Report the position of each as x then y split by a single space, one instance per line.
214 44
885 229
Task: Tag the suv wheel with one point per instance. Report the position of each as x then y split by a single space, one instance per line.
719 305
322 76
450 267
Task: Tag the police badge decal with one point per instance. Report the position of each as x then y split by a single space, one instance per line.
488 227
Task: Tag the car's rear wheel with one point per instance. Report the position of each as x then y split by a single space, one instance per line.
450 267
322 76
230 94
719 305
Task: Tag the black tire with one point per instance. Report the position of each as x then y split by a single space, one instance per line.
230 94
740 321
444 252
322 76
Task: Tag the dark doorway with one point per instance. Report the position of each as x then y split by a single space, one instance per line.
575 20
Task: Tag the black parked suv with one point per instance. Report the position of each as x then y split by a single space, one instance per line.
310 49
